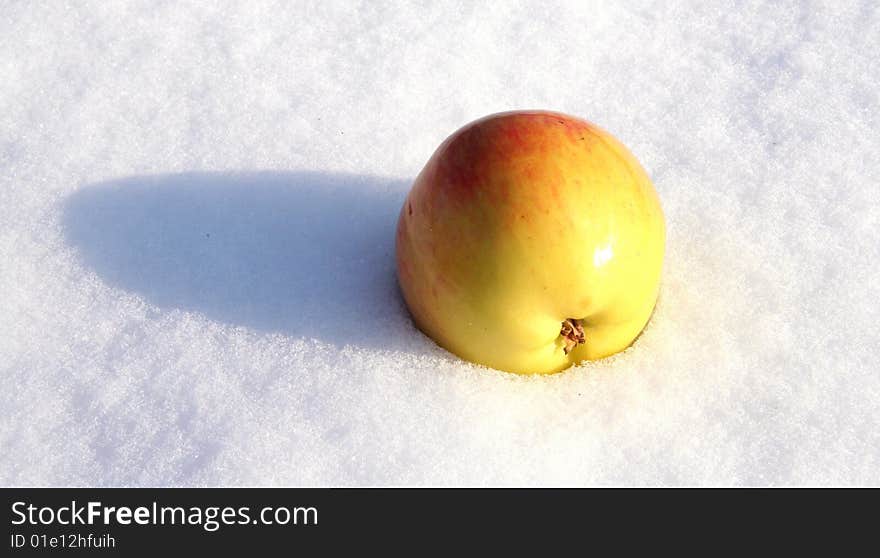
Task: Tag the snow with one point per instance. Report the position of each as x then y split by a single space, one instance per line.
197 205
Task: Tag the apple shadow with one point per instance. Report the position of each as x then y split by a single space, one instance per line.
306 254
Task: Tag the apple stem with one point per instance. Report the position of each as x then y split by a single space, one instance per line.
572 334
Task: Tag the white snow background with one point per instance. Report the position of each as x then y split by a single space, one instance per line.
197 207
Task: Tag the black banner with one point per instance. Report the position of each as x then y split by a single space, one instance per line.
146 521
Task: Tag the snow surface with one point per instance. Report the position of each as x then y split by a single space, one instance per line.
197 205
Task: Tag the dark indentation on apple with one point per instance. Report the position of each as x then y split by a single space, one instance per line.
572 334
409 207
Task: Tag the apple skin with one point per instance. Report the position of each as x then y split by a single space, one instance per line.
519 221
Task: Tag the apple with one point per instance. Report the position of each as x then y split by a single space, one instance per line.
531 241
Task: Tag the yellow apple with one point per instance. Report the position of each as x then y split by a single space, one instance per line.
531 241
